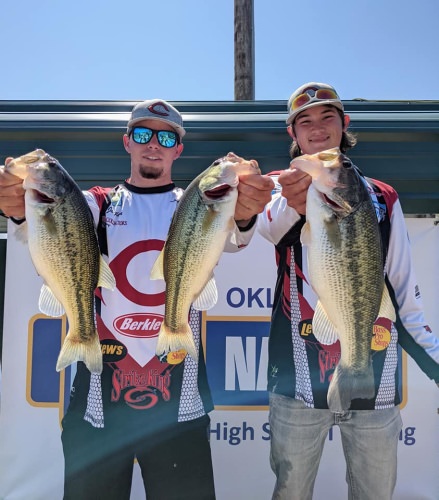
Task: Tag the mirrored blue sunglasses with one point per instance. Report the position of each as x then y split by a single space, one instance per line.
166 138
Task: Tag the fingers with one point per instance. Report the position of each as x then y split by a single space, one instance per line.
245 166
295 184
11 194
254 192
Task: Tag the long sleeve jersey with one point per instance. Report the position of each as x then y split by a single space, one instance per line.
299 366
132 227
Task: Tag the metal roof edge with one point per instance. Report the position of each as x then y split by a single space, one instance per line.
210 115
200 106
78 116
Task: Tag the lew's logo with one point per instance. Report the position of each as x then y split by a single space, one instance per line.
139 324
112 350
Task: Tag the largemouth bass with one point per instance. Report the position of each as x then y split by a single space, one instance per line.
196 239
64 249
346 270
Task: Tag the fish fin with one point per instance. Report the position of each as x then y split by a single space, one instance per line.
21 233
231 224
322 327
48 304
208 296
305 234
49 222
347 385
106 276
387 309
157 271
170 342
89 352
333 231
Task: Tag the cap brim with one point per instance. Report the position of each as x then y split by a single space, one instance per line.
336 104
180 130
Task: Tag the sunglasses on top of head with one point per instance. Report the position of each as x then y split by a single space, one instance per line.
166 138
311 94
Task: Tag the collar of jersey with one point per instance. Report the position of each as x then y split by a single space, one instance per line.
149 190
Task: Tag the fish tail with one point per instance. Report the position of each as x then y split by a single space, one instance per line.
347 385
76 350
169 341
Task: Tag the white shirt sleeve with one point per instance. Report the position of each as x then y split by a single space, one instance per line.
278 218
94 207
402 277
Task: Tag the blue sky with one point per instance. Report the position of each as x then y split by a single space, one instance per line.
182 50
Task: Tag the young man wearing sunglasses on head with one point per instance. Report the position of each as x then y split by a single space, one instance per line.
301 368
141 407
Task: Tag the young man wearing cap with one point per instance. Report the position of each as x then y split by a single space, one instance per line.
141 407
300 368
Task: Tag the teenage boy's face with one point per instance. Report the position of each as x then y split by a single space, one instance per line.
318 128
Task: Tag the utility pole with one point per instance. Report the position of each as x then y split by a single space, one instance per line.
244 50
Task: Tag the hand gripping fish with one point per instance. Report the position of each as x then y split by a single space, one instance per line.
196 239
345 265
64 249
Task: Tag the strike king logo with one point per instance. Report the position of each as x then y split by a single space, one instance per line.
139 325
48 388
140 391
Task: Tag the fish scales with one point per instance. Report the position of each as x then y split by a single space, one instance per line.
345 264
64 248
196 239
192 236
347 287
55 253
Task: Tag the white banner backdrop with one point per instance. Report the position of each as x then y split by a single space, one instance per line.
33 395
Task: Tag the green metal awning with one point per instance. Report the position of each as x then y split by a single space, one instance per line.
398 141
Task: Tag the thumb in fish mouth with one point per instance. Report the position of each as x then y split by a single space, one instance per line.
234 158
253 164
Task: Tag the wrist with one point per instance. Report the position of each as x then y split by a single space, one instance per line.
246 224
17 220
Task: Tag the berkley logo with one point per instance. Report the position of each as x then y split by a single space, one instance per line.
139 325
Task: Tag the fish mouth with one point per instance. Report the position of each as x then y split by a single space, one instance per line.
217 192
34 157
337 204
331 155
41 197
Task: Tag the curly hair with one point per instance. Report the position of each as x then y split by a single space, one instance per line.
348 140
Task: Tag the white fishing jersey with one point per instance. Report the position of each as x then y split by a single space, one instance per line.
132 225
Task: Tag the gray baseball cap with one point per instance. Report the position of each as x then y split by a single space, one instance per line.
309 95
157 109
